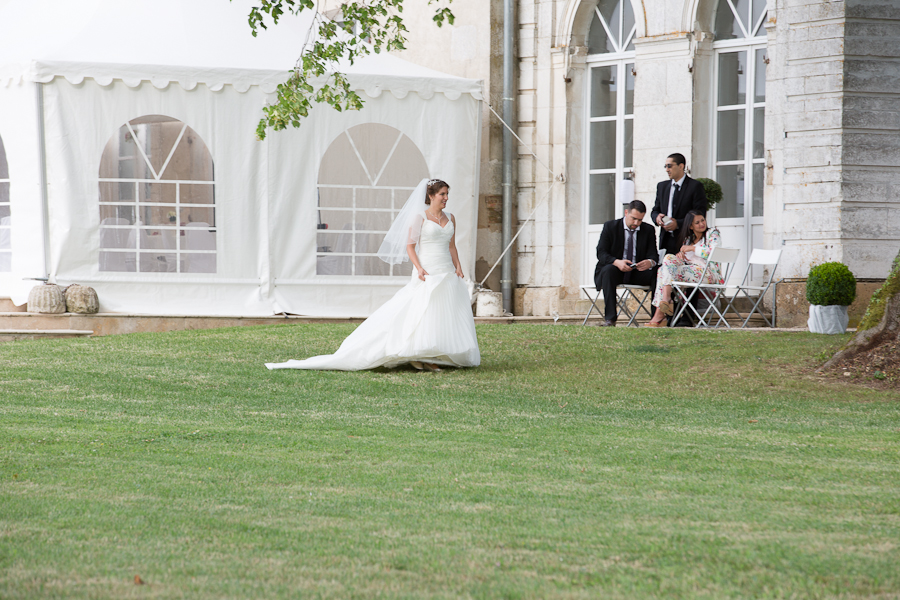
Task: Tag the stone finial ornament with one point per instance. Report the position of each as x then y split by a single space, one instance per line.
82 299
47 298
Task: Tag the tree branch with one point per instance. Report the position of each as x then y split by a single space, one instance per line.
365 26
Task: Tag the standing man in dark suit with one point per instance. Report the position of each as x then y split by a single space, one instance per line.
626 253
675 198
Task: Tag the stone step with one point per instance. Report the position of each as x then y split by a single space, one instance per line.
11 335
755 322
116 323
6 305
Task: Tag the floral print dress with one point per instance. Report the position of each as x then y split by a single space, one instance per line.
690 270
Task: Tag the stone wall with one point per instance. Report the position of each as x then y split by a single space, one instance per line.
832 124
792 309
870 219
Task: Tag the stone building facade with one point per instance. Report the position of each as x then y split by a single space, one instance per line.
793 106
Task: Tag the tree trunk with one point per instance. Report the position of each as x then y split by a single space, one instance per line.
888 329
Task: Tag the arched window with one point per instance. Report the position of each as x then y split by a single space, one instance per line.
610 117
5 214
157 199
365 177
740 97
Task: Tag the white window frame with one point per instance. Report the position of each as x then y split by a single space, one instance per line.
7 229
137 205
751 43
749 106
622 60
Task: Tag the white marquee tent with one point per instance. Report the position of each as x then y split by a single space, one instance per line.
129 162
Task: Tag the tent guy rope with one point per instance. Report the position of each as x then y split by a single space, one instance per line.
556 179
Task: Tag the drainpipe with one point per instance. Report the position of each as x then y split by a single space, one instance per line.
509 32
42 150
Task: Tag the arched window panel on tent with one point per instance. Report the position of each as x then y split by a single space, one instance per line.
5 214
365 177
157 199
612 28
737 19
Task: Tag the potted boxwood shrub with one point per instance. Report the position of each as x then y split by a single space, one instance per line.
830 289
713 192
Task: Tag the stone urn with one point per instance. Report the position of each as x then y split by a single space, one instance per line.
82 299
488 304
47 298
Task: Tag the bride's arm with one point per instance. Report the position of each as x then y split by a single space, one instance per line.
414 258
453 254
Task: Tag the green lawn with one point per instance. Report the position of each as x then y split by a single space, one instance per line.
574 463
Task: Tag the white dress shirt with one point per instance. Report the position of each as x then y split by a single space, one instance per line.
634 241
679 183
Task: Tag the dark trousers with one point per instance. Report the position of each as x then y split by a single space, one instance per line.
669 241
611 277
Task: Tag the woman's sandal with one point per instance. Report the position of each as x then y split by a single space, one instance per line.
417 365
653 324
431 367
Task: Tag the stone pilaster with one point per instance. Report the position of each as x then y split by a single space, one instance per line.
832 125
663 108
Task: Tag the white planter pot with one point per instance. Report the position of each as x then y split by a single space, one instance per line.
828 319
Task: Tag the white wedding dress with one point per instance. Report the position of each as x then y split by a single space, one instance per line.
429 321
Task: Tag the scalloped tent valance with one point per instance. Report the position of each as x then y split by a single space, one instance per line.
372 83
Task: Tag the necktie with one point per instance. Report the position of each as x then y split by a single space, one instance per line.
672 201
629 247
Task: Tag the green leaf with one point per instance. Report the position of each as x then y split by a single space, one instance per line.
379 27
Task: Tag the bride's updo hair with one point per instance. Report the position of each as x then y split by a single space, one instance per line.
433 187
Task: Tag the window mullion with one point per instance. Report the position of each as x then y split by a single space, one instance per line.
621 26
177 232
353 231
759 23
739 19
748 141
606 28
137 227
620 127
715 127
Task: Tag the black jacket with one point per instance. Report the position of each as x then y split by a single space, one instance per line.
690 197
611 246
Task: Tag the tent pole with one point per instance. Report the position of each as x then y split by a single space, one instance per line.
509 33
42 149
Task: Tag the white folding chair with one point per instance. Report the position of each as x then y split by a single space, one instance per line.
725 257
758 257
631 292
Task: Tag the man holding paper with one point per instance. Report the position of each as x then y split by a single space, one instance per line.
675 198
625 254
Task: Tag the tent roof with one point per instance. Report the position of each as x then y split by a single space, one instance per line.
183 41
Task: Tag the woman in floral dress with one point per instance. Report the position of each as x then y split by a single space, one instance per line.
687 266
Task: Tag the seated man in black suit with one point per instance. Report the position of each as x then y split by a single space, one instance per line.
626 253
675 198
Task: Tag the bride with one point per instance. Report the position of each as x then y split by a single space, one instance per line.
428 322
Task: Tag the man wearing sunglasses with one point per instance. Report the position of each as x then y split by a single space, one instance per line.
675 198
